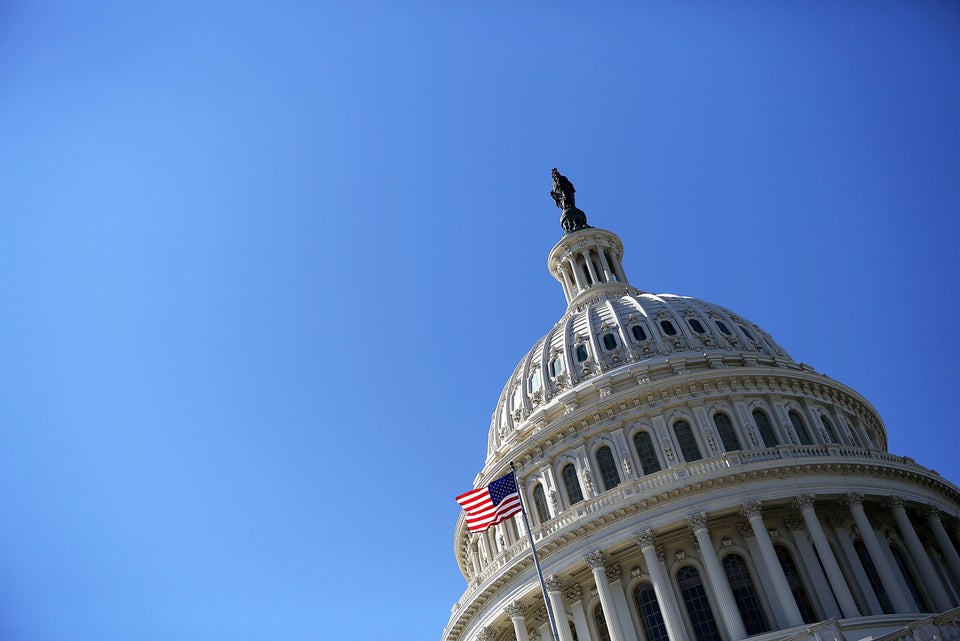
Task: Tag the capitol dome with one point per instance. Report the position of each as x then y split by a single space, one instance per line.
686 480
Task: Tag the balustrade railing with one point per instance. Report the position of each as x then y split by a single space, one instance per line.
679 475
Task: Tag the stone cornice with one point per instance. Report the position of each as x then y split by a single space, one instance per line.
626 501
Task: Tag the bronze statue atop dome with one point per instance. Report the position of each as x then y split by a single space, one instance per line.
563 191
572 219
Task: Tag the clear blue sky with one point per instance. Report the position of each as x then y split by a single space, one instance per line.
265 270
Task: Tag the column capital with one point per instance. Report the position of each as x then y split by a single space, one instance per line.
836 521
930 511
793 522
894 503
803 502
540 616
697 521
614 572
853 499
574 594
515 610
645 539
553 583
751 510
595 560
487 633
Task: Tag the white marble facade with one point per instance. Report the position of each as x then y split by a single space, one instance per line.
687 480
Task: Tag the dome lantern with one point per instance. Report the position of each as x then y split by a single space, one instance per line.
586 258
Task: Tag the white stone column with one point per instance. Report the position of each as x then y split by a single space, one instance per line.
574 597
602 255
729 613
589 264
543 624
822 591
578 275
515 612
666 599
838 583
596 562
919 555
554 585
764 582
838 523
568 287
888 576
932 514
752 512
614 574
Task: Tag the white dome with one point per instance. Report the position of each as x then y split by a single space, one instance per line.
621 327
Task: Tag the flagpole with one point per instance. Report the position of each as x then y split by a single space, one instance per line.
536 558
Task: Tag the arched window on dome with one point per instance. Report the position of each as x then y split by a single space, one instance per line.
649 463
654 628
609 341
603 634
608 468
687 442
795 581
581 352
696 326
909 579
766 430
746 332
800 428
556 366
535 381
745 594
698 607
668 328
723 327
540 504
572 483
638 332
873 576
828 426
728 435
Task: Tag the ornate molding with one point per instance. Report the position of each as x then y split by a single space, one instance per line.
894 503
614 572
487 633
751 510
853 500
553 583
697 521
645 539
595 560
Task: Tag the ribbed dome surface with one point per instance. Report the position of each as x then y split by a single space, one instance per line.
619 329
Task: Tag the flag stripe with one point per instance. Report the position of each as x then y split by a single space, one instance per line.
490 505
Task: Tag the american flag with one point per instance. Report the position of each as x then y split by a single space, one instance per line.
492 504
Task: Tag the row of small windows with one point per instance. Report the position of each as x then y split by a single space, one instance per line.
609 341
689 450
695 601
